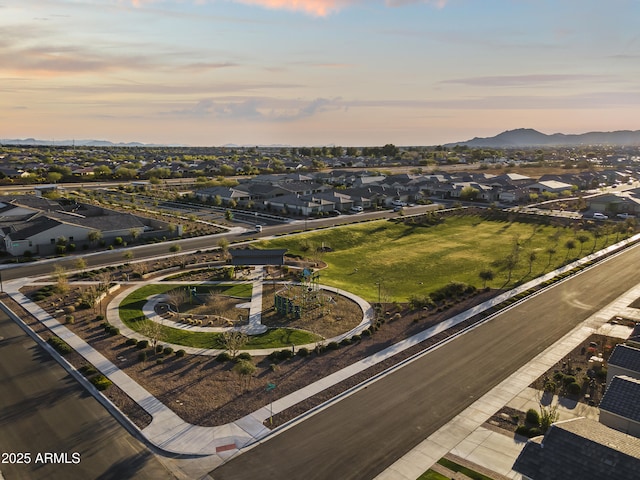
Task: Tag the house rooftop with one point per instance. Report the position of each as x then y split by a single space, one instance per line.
626 357
621 398
580 448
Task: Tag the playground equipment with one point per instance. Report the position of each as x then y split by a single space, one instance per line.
297 300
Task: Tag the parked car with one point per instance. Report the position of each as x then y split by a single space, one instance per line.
356 209
600 216
624 216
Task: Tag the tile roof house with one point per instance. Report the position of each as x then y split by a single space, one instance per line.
39 231
619 408
580 449
624 360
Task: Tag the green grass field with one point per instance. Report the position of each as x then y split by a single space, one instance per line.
414 260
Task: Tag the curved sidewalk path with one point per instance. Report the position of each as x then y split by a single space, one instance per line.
255 314
170 433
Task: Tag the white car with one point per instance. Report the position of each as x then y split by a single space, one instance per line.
600 216
624 216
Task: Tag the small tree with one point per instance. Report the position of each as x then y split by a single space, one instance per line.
486 276
81 263
245 370
153 331
62 282
223 245
176 298
233 341
94 236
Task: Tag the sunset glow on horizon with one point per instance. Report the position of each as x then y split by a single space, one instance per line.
315 72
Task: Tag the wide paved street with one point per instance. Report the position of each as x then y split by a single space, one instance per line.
360 436
43 410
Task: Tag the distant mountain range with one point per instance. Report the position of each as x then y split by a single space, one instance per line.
527 137
521 137
69 143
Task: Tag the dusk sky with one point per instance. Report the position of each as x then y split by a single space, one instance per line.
316 72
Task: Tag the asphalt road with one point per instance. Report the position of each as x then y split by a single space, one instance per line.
360 436
43 411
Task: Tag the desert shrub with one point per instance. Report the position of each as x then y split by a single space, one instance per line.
568 380
366 333
243 356
550 387
333 346
522 430
142 344
69 309
223 357
99 318
167 350
101 382
180 353
87 370
113 331
285 354
574 388
159 348
532 417
69 319
345 341
303 352
142 356
131 341
59 345
356 338
159 361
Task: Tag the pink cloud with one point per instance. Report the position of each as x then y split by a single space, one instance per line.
320 8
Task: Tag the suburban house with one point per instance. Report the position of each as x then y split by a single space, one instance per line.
614 203
551 186
583 448
26 228
580 448
624 360
619 408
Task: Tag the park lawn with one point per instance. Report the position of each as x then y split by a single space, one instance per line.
410 260
132 316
